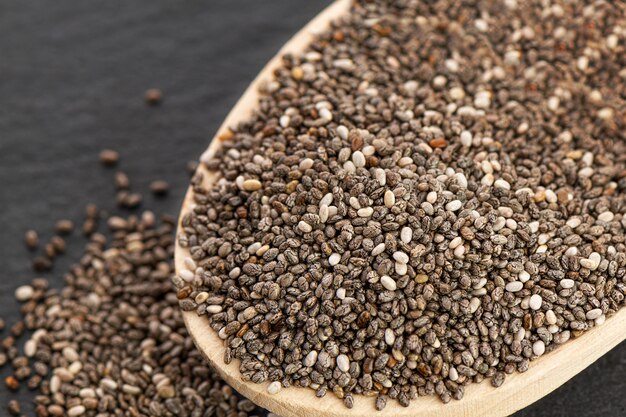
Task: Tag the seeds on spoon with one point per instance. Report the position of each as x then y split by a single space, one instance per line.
439 201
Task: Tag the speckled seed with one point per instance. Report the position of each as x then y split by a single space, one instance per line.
274 387
588 263
304 227
70 354
539 347
514 286
388 283
108 384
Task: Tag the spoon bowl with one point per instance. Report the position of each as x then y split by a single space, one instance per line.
519 390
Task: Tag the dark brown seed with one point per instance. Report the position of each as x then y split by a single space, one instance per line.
17 329
109 157
159 187
41 264
89 227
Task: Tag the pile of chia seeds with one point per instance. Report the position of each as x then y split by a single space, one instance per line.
433 194
112 341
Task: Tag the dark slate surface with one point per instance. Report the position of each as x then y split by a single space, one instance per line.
72 78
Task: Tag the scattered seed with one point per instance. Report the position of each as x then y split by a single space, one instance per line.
109 157
64 227
31 239
153 96
159 188
24 293
14 407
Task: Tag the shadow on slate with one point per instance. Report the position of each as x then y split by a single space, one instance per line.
73 75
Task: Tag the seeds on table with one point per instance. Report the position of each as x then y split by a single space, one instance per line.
31 239
117 304
159 187
109 157
64 227
153 96
24 293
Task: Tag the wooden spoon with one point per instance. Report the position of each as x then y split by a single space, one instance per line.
519 390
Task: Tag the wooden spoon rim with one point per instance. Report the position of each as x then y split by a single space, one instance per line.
519 390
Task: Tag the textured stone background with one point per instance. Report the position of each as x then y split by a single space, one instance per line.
72 78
